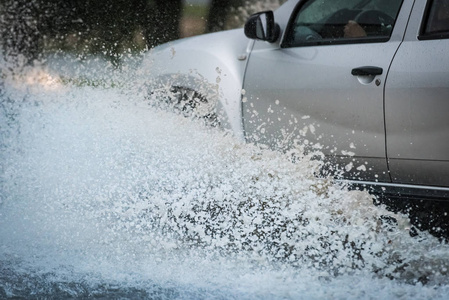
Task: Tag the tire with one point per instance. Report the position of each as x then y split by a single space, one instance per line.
192 104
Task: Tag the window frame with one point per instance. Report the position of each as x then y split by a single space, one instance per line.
287 40
423 36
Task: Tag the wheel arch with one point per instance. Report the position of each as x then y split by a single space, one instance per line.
212 65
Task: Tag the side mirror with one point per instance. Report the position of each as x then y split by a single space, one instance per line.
261 26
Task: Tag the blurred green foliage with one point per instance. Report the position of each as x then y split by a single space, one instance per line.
195 11
110 28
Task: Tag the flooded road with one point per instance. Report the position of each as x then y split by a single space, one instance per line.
103 195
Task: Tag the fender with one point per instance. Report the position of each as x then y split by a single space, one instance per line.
211 64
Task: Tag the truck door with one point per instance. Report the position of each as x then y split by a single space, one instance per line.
417 99
324 87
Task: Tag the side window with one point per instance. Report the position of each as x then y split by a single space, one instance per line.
436 24
324 22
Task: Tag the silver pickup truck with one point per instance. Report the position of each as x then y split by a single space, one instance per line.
363 82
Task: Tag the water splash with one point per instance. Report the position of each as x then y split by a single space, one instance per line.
103 194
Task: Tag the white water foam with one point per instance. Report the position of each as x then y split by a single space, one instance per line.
102 193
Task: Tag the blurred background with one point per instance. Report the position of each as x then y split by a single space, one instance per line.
30 29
